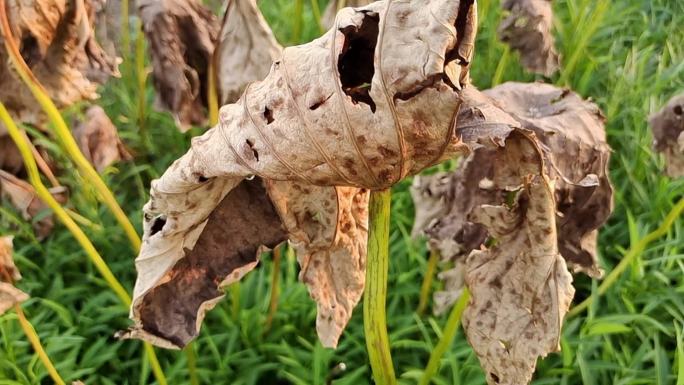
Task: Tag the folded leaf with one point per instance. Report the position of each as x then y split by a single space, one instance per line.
527 29
181 35
668 135
573 137
521 288
334 6
99 140
245 50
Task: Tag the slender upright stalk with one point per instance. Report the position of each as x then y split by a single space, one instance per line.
62 130
375 293
191 356
141 77
298 21
627 260
447 338
275 287
44 194
212 92
125 29
37 346
316 10
427 281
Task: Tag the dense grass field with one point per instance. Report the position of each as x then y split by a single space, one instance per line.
628 56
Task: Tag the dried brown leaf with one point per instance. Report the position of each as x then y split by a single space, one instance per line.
521 288
23 196
527 29
56 40
573 136
668 135
99 140
9 295
245 50
181 36
10 158
339 111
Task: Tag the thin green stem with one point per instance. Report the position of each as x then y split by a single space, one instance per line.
375 294
447 338
298 21
191 356
501 67
62 131
125 29
275 287
627 260
427 281
37 346
316 10
141 77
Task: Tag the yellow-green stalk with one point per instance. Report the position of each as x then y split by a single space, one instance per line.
275 287
627 260
44 194
375 293
427 281
447 338
37 346
62 131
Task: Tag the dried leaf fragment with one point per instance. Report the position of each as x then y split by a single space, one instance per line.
9 295
521 288
24 198
668 135
56 39
99 139
245 50
181 36
334 6
527 29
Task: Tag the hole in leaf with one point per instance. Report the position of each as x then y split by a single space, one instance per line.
268 115
254 151
355 63
158 225
678 110
494 377
319 103
29 50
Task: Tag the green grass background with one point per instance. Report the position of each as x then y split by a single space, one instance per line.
628 56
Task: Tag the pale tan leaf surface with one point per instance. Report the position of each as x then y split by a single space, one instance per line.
98 139
668 135
521 288
245 50
328 228
9 295
573 136
527 29
348 109
24 198
181 35
57 42
334 6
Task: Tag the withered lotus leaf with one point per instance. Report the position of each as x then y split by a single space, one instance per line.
527 29
181 35
246 48
9 295
572 134
668 135
56 39
360 108
98 139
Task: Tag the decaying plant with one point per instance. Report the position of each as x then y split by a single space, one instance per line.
358 109
334 6
572 134
98 139
668 135
181 35
527 29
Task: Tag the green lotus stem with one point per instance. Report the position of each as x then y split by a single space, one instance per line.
447 338
275 288
427 281
375 293
44 194
627 260
37 346
62 131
